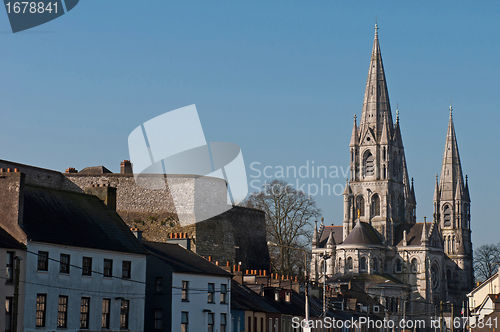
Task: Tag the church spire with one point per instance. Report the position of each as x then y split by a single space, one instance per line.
451 170
376 100
354 136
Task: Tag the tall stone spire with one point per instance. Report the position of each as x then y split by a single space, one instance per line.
376 101
451 170
354 136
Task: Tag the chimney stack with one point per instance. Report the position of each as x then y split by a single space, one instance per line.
105 193
126 167
137 233
71 170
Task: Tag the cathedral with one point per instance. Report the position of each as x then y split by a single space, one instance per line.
380 241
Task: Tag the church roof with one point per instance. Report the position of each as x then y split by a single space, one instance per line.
413 233
337 232
362 233
95 170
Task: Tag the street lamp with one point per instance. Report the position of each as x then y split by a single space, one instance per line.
305 274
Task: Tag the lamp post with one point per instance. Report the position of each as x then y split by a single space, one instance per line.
305 274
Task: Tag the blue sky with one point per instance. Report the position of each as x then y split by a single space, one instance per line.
282 79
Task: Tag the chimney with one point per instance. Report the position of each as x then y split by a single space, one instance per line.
126 167
71 170
137 233
106 194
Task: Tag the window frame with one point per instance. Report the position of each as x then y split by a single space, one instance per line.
185 291
223 293
124 314
84 316
62 312
10 267
106 313
223 322
211 292
184 322
64 267
159 285
9 306
41 310
43 261
157 321
86 266
211 321
107 268
126 269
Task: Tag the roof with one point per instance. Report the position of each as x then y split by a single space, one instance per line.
243 298
7 241
413 234
95 170
373 278
337 231
362 233
75 219
183 260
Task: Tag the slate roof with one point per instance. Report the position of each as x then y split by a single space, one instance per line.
362 233
183 260
243 298
337 231
375 278
95 170
7 241
75 219
413 234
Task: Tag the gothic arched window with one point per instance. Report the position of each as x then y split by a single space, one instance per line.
446 216
369 164
375 265
401 208
448 275
375 205
414 265
340 264
398 265
362 264
395 165
360 205
349 263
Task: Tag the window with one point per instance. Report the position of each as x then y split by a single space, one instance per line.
376 309
108 268
211 322
159 285
375 205
124 309
41 308
10 266
185 290
375 265
223 323
360 206
349 263
223 293
158 319
106 306
84 312
126 267
64 263
362 264
288 297
184 321
8 313
43 261
62 311
87 266
447 215
369 164
448 275
211 293
414 265
398 265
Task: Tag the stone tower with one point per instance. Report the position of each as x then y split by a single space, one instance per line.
452 213
379 189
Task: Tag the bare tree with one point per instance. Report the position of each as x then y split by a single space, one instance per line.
289 216
486 261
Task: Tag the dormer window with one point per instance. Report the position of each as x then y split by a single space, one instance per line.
288 297
276 296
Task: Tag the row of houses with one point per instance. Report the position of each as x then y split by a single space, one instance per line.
73 264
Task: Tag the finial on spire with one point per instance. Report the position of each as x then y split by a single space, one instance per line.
397 113
451 107
425 220
412 182
466 179
376 27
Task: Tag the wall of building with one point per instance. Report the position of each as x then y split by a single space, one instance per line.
75 286
198 305
7 288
